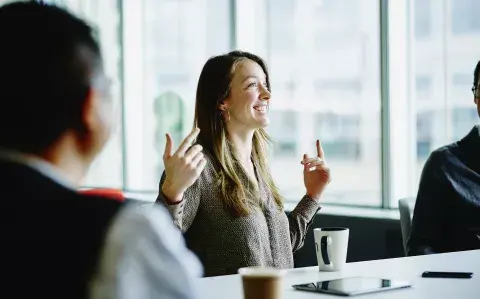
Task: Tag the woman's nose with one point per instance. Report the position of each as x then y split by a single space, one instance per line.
265 95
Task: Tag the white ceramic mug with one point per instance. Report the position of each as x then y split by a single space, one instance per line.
331 246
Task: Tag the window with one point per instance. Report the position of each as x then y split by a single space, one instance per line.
329 11
340 136
166 43
463 120
423 88
463 80
423 83
344 84
422 21
424 135
104 16
444 66
461 88
284 134
281 35
324 59
169 113
464 16
336 95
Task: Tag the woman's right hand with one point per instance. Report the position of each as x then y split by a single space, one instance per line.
182 168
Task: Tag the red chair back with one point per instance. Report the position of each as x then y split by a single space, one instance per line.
114 194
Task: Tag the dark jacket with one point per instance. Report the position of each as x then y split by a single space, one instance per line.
447 211
51 236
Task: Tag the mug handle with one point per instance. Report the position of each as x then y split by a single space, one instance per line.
324 242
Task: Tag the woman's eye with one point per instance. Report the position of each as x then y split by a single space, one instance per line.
253 84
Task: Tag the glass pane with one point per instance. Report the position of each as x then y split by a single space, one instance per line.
324 63
174 39
445 55
104 16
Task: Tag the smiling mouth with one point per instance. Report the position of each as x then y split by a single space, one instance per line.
261 108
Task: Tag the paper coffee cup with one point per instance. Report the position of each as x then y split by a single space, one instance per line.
262 283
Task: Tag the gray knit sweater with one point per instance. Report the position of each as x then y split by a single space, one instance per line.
224 243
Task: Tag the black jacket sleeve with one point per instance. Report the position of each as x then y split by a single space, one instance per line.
430 215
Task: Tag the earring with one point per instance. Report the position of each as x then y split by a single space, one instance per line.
228 114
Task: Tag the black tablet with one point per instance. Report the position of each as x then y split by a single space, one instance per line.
352 286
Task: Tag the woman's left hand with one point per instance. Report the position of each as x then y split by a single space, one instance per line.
316 174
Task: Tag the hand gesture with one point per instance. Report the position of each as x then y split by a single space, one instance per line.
316 174
182 168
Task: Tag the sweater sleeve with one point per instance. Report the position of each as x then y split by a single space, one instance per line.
300 220
183 212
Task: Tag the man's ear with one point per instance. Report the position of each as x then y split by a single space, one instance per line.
89 117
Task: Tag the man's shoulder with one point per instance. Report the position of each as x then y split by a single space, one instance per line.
456 148
100 206
143 244
443 153
22 184
150 223
442 160
144 213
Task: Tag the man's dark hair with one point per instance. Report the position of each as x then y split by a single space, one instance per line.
47 59
476 74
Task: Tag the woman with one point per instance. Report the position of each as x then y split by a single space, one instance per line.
220 191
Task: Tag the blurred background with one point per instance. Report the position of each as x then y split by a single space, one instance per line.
380 83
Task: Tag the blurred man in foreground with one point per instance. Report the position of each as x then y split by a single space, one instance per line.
55 117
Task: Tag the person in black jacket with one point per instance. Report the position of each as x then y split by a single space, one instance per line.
56 114
447 211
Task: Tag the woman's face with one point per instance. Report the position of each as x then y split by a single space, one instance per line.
249 99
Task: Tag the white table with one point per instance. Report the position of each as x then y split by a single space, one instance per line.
409 269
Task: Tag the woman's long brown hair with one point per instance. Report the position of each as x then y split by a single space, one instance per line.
213 88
